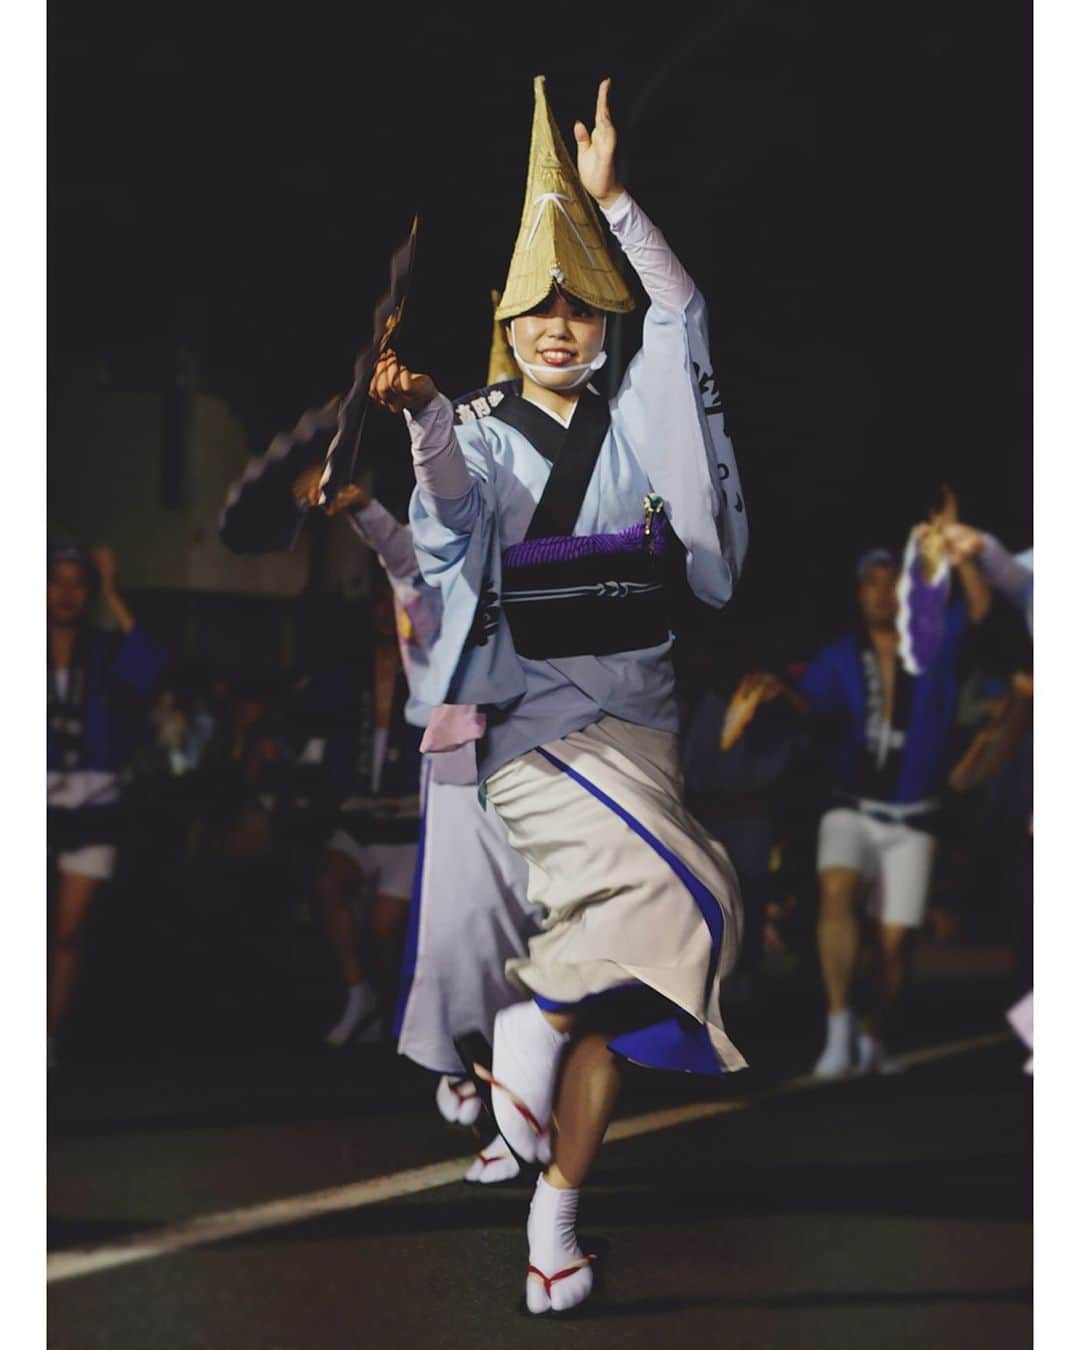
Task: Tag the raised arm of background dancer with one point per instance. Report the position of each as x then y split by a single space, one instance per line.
104 559
377 528
387 537
1012 576
442 472
140 659
666 281
976 591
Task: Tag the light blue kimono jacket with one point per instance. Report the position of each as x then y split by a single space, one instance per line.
667 437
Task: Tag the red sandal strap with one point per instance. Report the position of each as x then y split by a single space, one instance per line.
514 1099
549 1280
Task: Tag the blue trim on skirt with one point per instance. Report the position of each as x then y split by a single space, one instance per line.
680 1042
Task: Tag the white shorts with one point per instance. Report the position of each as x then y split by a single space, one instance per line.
93 860
388 868
894 860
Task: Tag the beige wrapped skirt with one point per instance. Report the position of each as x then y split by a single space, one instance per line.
633 888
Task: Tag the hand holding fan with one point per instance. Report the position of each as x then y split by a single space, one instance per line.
341 457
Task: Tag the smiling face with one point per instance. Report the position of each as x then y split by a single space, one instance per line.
556 338
67 593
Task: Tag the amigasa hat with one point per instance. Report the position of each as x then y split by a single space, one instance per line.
561 241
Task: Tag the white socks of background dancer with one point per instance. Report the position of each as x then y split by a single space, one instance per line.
838 1057
458 1100
359 1004
553 1249
874 1058
525 1060
493 1164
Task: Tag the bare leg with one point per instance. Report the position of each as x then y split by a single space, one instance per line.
591 1079
893 961
73 905
838 933
338 877
560 1275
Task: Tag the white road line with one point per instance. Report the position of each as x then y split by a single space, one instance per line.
234 1223
198 1232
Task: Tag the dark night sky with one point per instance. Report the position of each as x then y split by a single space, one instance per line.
849 184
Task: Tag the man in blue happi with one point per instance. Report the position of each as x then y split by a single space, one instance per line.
99 683
888 736
548 523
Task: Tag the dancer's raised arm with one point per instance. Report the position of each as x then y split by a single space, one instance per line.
664 278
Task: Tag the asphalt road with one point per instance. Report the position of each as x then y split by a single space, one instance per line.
889 1212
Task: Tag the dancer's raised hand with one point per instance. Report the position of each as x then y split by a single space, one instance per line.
104 559
306 486
395 387
596 152
963 543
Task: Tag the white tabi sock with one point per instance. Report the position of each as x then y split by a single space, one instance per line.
838 1057
525 1060
874 1058
493 1164
458 1100
554 1248
358 1005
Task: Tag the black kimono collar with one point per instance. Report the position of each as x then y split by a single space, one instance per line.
572 452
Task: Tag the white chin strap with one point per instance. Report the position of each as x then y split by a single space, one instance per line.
582 370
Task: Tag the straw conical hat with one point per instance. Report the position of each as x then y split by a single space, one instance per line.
561 240
501 363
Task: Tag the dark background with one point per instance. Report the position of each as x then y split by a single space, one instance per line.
847 183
